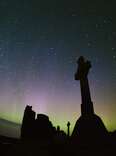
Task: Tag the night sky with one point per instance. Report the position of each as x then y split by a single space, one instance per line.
40 42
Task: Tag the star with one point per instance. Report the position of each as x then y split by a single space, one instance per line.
33 58
96 25
113 48
51 48
1 54
73 15
89 44
114 57
105 21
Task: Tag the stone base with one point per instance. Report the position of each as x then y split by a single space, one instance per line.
89 129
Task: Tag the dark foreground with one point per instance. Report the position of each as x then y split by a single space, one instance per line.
15 147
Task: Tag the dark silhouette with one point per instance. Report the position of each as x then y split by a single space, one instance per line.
39 128
89 128
58 129
82 72
27 129
43 127
68 128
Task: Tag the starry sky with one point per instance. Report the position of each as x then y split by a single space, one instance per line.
40 42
